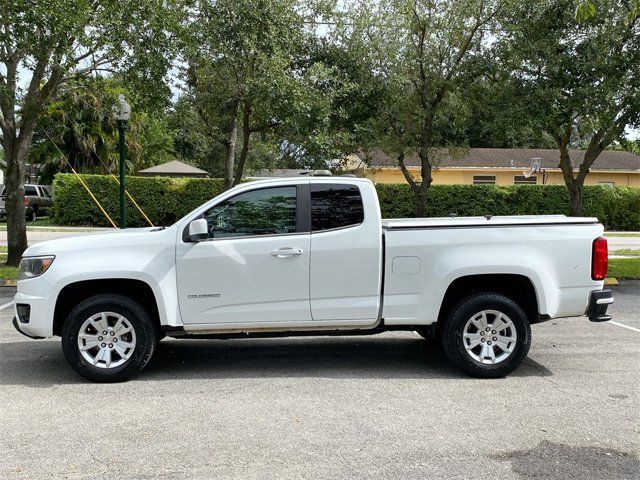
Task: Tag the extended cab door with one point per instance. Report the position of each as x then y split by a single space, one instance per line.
254 267
346 251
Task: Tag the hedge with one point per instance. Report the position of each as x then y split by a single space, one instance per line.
165 200
618 208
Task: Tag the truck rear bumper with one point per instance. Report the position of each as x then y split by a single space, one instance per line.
598 304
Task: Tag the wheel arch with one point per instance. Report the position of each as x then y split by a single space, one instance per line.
74 293
520 288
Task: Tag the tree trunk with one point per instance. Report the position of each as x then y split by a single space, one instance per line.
246 135
574 185
231 147
575 195
420 190
425 184
16 150
421 202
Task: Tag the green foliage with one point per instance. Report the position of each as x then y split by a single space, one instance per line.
587 9
78 129
165 200
617 208
191 142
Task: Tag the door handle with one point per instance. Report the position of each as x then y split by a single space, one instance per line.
286 252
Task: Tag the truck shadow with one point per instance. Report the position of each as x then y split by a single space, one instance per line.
392 356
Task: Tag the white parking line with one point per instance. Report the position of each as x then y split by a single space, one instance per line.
619 325
2 307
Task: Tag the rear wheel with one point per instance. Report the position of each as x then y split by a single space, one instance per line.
487 335
108 338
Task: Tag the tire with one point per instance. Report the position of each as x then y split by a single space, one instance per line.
119 361
472 316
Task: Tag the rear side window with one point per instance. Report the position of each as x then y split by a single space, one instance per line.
335 206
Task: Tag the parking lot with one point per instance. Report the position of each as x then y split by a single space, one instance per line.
385 406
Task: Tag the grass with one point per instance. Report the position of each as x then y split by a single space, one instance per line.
624 268
626 252
8 273
630 234
41 222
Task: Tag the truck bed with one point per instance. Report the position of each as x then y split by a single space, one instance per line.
487 221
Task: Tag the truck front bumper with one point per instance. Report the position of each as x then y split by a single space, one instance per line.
33 315
16 324
598 304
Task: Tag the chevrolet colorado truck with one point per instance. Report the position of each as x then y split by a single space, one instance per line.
311 256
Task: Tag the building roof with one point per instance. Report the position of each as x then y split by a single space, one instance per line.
174 168
509 158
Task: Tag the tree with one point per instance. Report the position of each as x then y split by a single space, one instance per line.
48 43
78 130
420 49
575 80
191 142
240 59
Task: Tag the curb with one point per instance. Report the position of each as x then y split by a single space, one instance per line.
611 281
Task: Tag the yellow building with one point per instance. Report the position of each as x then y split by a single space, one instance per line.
500 166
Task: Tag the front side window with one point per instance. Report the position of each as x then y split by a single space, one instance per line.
268 211
335 206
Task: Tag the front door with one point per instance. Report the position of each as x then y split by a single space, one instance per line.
253 269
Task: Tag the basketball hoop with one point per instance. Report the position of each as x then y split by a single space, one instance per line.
536 164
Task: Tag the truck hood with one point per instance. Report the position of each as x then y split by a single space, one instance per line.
87 241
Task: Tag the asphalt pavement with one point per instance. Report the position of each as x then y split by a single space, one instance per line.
380 407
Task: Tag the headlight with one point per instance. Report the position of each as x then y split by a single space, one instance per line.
34 266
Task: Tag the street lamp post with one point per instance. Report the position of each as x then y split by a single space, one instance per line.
122 113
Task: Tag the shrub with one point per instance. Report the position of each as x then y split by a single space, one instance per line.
618 208
165 200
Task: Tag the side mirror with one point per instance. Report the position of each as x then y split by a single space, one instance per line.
198 230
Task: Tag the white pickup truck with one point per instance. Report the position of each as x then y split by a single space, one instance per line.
311 256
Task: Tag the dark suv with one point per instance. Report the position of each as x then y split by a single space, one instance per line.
37 202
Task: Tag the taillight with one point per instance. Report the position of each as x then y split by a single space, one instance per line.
599 259
26 202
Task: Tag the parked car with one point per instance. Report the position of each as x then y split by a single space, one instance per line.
311 256
37 202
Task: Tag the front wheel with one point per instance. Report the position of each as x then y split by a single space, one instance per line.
487 335
108 338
